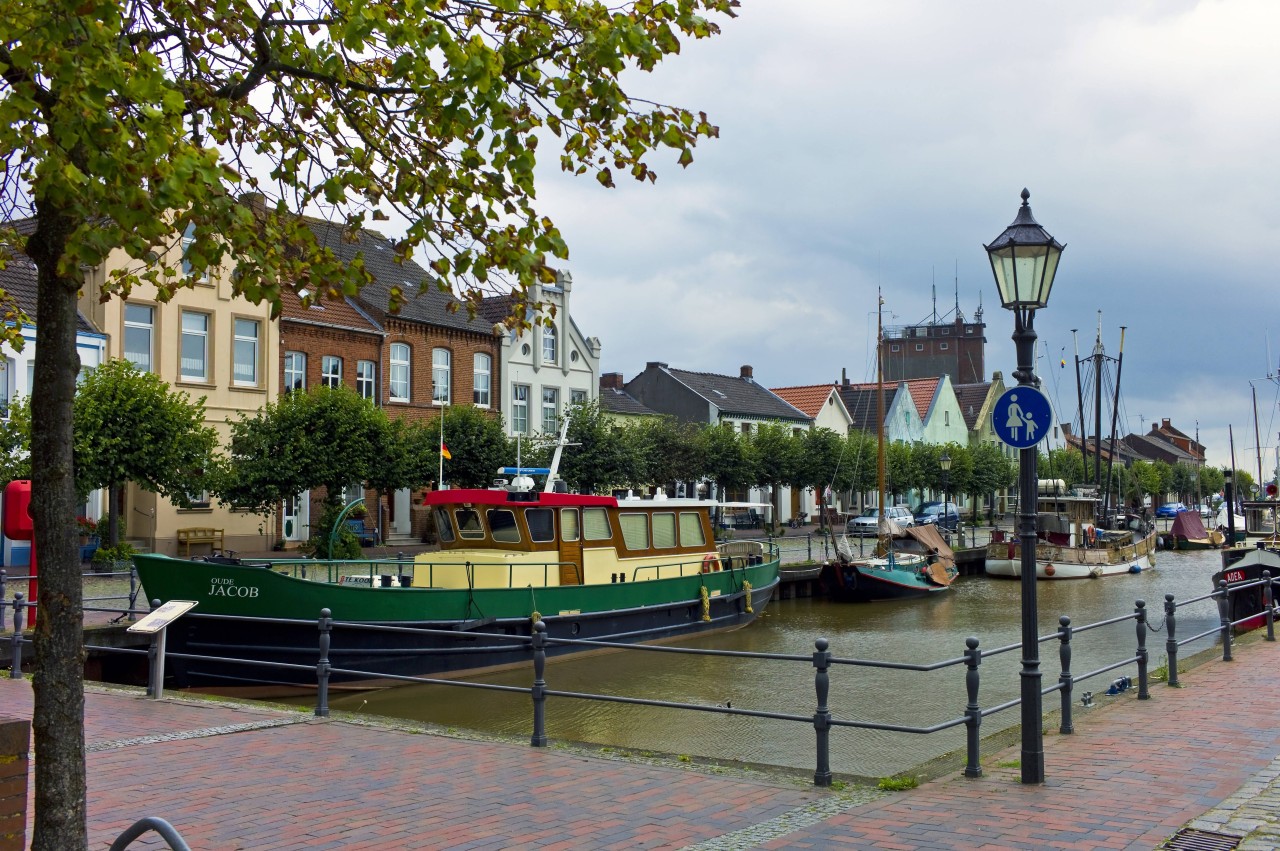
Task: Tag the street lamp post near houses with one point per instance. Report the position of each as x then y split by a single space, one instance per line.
1024 259
944 463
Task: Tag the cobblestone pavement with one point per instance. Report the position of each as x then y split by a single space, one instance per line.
232 776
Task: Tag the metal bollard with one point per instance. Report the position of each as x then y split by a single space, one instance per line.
972 711
1171 641
1224 617
1065 680
323 667
822 716
1140 611
16 671
3 575
133 589
808 540
1268 600
539 691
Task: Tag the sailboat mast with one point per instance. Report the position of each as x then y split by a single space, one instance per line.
1097 405
880 471
1084 433
1257 435
1115 413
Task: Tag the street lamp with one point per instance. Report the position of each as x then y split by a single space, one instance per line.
1229 493
1024 260
945 464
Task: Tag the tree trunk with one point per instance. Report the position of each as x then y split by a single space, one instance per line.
58 717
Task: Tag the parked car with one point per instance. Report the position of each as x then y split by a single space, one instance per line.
1207 510
930 513
1170 509
869 523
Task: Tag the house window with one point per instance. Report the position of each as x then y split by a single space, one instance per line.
942 347
550 409
482 366
195 346
894 347
365 381
577 397
919 347
399 372
520 408
549 345
138 326
188 240
440 369
9 368
946 421
331 371
746 428
244 368
198 499
295 371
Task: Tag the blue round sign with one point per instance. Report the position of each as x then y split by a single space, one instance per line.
1021 417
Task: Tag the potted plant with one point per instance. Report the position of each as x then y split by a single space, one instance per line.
87 527
114 559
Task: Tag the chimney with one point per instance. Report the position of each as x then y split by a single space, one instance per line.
1165 422
655 364
611 381
844 377
746 372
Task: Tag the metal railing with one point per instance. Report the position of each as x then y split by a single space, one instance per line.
823 719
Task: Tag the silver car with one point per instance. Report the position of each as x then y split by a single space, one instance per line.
869 523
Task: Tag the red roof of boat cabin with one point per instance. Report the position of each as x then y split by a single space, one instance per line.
491 496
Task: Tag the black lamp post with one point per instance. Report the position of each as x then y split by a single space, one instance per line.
1229 495
1024 260
945 464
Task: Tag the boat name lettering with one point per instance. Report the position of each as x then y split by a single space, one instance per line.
1234 576
228 588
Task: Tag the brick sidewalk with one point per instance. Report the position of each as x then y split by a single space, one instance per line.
236 777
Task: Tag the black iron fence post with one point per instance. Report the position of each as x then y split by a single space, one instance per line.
133 588
323 666
1224 617
822 717
972 711
3 576
1065 680
1268 600
539 691
1171 640
808 539
1140 612
16 671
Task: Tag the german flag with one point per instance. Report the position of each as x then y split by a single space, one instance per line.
445 453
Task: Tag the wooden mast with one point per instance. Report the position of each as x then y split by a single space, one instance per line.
881 528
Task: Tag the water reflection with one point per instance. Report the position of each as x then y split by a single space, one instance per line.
915 631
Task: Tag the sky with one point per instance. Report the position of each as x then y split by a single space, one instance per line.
869 145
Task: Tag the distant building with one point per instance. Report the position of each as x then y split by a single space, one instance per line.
617 403
956 349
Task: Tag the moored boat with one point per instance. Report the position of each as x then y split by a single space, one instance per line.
917 564
1071 546
1188 533
589 567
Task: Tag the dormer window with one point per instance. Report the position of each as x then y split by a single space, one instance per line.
549 345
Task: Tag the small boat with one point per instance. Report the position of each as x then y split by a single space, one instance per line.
1231 525
1070 545
1246 563
899 570
1188 533
589 567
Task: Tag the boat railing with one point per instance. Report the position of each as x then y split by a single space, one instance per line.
824 719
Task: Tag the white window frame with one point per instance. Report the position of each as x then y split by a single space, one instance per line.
550 409
188 239
366 379
482 374
138 324
200 335
549 349
295 371
520 408
441 376
578 397
244 343
330 371
399 375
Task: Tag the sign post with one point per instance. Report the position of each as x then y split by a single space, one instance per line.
1021 417
155 625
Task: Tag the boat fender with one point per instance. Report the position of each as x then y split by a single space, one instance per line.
1095 572
710 562
1050 570
1135 568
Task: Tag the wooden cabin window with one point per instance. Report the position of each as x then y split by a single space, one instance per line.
542 524
664 530
444 529
595 524
691 534
469 525
502 524
568 524
635 530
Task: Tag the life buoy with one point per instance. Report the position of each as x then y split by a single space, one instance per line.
710 562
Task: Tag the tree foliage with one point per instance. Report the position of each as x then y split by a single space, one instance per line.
476 442
600 454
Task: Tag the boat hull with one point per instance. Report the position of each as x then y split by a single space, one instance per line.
859 583
1246 564
466 629
1004 559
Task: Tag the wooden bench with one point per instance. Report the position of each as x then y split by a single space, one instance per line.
212 537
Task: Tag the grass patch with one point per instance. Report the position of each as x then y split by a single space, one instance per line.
684 757
1010 763
897 784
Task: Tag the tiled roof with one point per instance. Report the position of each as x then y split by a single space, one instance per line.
860 400
1156 448
617 401
335 312
971 398
18 280
1124 453
431 307
808 398
735 395
497 308
922 391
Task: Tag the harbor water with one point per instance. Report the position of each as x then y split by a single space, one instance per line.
917 631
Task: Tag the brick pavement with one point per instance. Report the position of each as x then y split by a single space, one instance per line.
247 777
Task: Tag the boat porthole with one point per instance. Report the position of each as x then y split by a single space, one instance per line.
575 629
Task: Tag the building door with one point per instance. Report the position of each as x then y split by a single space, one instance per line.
294 517
401 519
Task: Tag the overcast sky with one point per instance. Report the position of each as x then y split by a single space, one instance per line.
869 144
